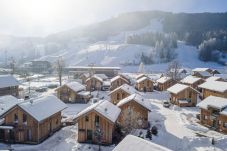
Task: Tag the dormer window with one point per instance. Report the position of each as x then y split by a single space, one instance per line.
24 119
15 118
96 120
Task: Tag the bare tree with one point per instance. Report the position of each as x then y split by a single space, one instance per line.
173 70
131 119
59 68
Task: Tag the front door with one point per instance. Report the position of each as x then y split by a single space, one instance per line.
215 123
2 134
89 135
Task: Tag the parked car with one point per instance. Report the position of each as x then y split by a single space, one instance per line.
94 100
41 89
166 104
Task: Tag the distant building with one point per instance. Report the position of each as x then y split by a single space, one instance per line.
134 143
73 92
202 72
214 88
9 85
213 113
38 66
108 71
32 121
121 92
164 83
183 95
144 84
192 81
134 111
103 115
118 81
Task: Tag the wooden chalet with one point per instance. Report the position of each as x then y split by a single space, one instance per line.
192 81
73 92
32 121
215 78
144 84
213 113
99 116
9 85
96 82
203 73
118 81
84 77
183 95
134 111
121 92
164 83
214 88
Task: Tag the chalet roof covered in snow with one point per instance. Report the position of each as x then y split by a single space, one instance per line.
102 76
93 67
200 69
163 79
213 78
142 79
75 86
43 107
190 79
136 97
84 93
105 108
134 143
117 77
8 81
177 88
7 102
96 77
218 86
213 101
127 88
204 73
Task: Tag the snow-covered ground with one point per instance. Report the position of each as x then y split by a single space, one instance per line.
177 129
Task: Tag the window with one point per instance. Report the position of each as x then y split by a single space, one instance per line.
225 124
118 96
56 121
86 118
24 118
96 120
15 118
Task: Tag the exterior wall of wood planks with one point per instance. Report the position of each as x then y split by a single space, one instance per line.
206 93
145 86
87 123
118 95
117 83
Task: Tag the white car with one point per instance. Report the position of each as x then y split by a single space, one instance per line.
166 104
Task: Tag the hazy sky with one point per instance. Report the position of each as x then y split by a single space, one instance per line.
42 17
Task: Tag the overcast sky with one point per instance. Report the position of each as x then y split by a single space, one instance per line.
43 17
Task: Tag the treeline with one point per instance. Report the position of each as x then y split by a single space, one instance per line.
163 46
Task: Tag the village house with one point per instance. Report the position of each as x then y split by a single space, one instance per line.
134 143
9 85
214 88
99 116
84 77
203 73
213 113
192 81
73 92
6 103
183 95
32 121
144 84
134 112
96 82
121 92
164 83
118 81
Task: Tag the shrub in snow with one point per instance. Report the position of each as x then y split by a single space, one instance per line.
141 134
154 130
149 134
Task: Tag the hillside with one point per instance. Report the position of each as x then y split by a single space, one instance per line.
75 44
